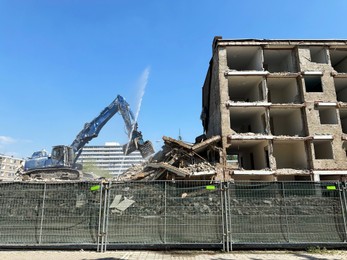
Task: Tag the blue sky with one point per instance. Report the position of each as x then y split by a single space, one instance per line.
62 62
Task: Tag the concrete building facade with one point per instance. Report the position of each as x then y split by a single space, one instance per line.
280 107
109 158
9 166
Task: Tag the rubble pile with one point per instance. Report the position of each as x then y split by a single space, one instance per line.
148 199
178 160
278 206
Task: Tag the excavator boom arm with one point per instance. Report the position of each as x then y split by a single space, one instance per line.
92 129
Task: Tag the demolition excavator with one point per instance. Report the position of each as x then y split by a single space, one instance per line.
62 162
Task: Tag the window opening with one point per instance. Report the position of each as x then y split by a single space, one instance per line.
287 122
283 90
267 158
343 119
344 147
245 88
339 60
251 157
243 120
341 89
327 115
290 154
323 149
318 55
244 58
313 83
279 60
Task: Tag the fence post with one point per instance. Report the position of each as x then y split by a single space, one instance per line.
99 240
103 238
165 208
228 217
223 216
342 195
107 211
285 210
42 212
225 225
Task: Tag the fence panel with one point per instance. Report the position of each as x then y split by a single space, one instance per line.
256 212
48 213
314 212
71 213
20 212
286 212
194 213
136 213
165 213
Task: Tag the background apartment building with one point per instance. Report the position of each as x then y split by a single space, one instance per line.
280 107
108 158
9 166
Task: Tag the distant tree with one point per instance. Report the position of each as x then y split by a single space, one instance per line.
91 167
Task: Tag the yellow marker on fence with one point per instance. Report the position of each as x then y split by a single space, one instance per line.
95 188
332 187
210 187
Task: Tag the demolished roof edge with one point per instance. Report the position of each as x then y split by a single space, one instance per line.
220 39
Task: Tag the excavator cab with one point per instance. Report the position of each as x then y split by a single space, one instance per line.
62 155
59 165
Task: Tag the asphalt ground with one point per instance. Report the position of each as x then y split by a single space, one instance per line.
177 255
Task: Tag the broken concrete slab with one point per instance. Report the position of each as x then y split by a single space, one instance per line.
204 144
119 205
173 169
178 160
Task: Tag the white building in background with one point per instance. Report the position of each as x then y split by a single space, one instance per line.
109 158
9 166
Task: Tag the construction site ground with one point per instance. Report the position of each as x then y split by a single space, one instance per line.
179 255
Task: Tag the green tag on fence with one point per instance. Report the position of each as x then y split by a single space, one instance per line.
331 187
94 188
210 187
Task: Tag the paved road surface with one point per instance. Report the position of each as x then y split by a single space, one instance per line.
176 255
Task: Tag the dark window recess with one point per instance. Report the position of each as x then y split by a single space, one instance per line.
252 161
339 60
323 150
328 116
343 119
344 147
313 84
341 89
267 159
318 55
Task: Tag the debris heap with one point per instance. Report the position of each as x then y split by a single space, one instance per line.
179 160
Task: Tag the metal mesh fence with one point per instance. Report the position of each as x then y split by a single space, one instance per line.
165 213
101 214
286 212
20 217
40 213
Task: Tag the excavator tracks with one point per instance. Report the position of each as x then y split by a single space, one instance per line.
53 174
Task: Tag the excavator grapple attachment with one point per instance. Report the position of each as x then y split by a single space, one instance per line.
129 147
145 148
136 143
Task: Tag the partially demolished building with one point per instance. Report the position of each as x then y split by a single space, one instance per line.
280 107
